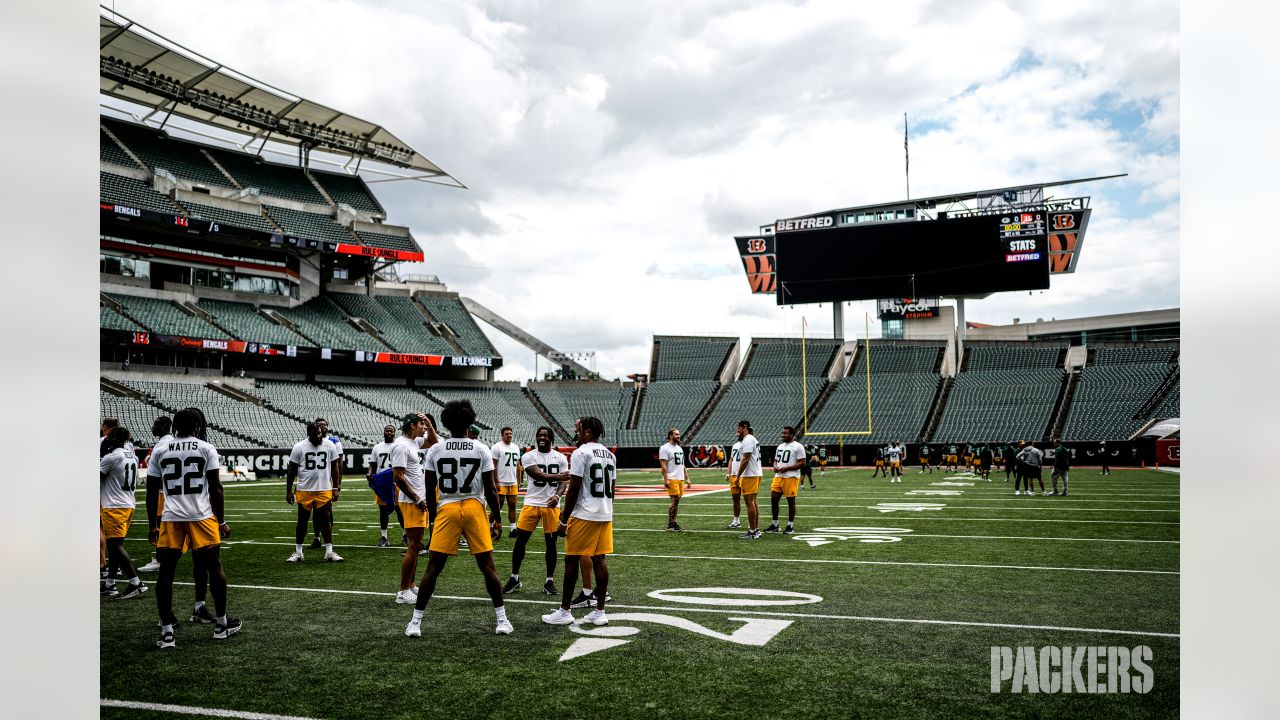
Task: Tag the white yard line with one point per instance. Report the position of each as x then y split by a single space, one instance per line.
190 710
801 560
736 611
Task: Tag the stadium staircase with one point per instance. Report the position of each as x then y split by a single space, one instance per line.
278 319
440 330
125 148
1063 407
1158 398
637 402
565 434
936 408
108 385
363 325
706 411
235 393
208 317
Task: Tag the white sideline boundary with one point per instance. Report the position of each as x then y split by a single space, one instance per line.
820 561
191 710
736 611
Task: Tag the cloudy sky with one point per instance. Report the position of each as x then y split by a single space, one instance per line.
612 151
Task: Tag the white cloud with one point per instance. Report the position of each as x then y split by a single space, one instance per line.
613 150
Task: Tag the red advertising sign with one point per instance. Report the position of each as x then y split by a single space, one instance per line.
407 359
388 253
1169 452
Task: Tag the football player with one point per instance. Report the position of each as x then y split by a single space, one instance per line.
317 466
894 454
589 530
735 491
161 428
380 460
546 469
747 468
407 458
506 463
462 470
337 443
806 471
118 475
924 460
185 472
788 460
671 460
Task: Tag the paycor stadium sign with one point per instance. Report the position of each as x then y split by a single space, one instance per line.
256 348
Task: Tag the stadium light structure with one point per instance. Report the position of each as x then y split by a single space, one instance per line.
146 70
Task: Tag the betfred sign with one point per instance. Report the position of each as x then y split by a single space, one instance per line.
811 223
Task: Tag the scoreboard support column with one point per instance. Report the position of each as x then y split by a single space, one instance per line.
959 332
837 319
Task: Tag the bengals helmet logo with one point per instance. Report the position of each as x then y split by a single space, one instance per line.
1065 221
755 245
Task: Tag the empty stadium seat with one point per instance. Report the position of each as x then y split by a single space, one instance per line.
667 404
768 403
137 416
370 238
397 319
109 319
247 324
182 159
1004 393
164 317
134 193
904 381
283 181
568 401
309 225
449 310
783 357
496 406
320 320
110 152
265 427
1107 397
690 358
346 418
251 220
350 190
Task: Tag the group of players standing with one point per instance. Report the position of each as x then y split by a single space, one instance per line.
1022 460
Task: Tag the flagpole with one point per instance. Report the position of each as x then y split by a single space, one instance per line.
906 152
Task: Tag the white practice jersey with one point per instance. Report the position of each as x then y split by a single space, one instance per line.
155 448
735 454
315 464
538 492
598 468
406 454
459 465
894 453
180 467
119 470
674 455
788 454
380 456
748 445
505 460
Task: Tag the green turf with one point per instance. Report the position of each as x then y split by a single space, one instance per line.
343 655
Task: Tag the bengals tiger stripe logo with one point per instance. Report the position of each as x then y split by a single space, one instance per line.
756 245
760 273
1064 221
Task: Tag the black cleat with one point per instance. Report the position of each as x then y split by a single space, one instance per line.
383 542
583 600
675 527
222 632
511 534
549 588
773 528
316 544
167 640
513 585
203 616
130 591
789 531
404 538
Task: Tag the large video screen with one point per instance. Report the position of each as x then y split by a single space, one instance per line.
930 258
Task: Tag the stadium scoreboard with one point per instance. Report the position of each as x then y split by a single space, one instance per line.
819 261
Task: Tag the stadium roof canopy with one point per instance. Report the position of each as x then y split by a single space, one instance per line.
146 69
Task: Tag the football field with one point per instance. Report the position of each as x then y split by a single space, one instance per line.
886 602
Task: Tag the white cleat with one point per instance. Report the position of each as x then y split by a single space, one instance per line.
413 629
559 617
503 628
332 556
296 557
596 617
406 597
152 566
1017 492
